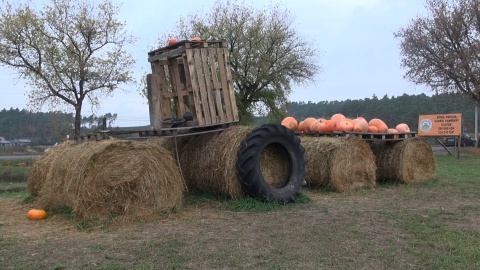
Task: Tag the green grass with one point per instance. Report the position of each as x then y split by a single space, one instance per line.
14 170
432 225
244 204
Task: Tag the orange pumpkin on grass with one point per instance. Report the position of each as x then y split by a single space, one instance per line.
36 214
290 123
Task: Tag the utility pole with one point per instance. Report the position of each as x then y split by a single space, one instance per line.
476 124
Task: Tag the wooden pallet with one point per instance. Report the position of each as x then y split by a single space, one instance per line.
365 136
164 132
191 76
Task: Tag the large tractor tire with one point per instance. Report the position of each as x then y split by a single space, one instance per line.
250 173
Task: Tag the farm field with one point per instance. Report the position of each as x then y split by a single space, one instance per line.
432 225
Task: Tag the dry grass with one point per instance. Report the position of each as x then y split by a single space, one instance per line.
409 161
98 180
341 163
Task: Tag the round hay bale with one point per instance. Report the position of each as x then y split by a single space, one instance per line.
39 169
98 180
341 163
208 162
409 161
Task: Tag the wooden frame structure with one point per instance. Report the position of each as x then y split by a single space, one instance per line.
191 76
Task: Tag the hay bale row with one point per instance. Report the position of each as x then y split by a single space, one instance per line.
408 161
340 163
98 180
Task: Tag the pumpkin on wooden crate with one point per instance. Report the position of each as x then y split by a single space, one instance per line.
318 127
402 128
345 125
379 124
361 125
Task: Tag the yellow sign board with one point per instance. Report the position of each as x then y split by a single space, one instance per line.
444 125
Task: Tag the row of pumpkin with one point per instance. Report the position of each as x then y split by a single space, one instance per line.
338 122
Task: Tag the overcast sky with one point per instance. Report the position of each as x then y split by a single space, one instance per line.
359 54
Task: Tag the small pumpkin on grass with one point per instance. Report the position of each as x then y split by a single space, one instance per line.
36 214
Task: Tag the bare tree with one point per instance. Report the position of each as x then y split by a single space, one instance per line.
267 54
66 51
442 49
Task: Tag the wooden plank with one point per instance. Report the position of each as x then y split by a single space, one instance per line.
195 88
177 89
188 87
151 108
168 54
208 85
201 86
155 98
231 90
226 89
216 86
165 103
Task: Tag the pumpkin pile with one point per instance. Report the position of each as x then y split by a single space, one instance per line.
340 123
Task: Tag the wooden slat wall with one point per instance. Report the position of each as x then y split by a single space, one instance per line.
199 81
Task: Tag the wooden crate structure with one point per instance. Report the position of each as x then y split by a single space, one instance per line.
191 76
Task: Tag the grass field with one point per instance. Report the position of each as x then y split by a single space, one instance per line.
433 225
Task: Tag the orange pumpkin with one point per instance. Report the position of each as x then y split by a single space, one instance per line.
36 214
172 41
345 125
322 120
361 125
393 131
334 125
308 123
372 129
318 127
328 128
402 128
352 121
301 126
290 123
338 117
381 126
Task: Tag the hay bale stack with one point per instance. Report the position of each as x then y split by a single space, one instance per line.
409 161
111 177
341 163
208 162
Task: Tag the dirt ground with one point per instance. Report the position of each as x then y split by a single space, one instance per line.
335 231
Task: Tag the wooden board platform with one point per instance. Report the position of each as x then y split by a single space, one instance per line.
164 132
365 136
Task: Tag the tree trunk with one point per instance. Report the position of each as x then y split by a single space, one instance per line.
78 118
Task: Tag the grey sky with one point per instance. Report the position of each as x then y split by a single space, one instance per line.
359 54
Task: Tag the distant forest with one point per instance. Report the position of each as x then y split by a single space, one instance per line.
45 127
51 127
393 110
